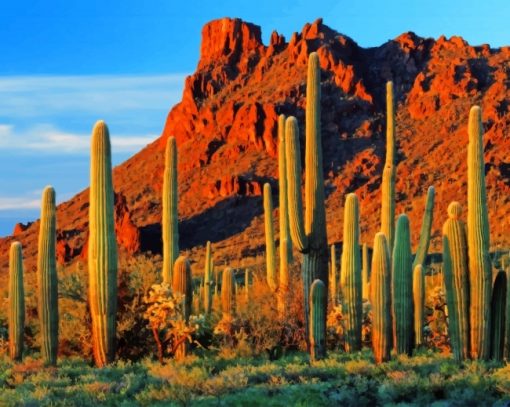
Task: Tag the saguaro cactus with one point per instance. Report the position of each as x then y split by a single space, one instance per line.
480 272
498 316
182 284
426 227
309 233
47 278
389 171
351 275
285 241
16 302
102 248
455 267
228 299
365 273
318 299
270 246
208 279
418 303
380 298
170 226
333 276
402 282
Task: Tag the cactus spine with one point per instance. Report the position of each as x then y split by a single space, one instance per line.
16 302
498 316
102 248
480 273
426 227
418 303
285 242
380 298
308 234
318 299
208 279
402 283
228 299
389 172
455 267
170 227
351 275
270 246
47 278
365 273
333 277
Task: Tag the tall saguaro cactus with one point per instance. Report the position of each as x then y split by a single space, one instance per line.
16 302
389 171
498 316
170 226
270 245
380 298
480 272
402 282
426 227
208 279
308 233
419 303
318 303
455 268
285 241
333 276
47 281
351 275
102 248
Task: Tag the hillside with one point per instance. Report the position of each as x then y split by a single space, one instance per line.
225 128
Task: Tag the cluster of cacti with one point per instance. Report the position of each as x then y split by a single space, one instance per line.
47 281
351 275
308 232
102 248
16 302
169 227
270 245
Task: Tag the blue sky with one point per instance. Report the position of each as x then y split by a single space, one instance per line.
65 64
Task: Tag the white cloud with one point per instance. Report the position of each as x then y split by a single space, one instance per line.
7 203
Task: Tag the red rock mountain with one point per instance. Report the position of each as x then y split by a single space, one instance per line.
225 128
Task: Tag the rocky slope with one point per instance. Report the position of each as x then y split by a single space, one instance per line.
225 128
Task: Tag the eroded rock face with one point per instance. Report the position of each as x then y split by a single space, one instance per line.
226 132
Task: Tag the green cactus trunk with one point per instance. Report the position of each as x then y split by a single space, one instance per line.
402 282
169 222
418 303
365 273
47 281
285 241
309 233
228 299
16 302
208 280
182 284
426 227
102 248
498 316
333 277
351 275
270 245
380 298
480 271
389 171
456 277
318 304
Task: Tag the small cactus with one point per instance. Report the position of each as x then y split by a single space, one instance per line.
351 275
170 227
380 298
418 303
16 302
47 281
498 306
270 245
182 284
228 299
208 279
318 298
402 283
